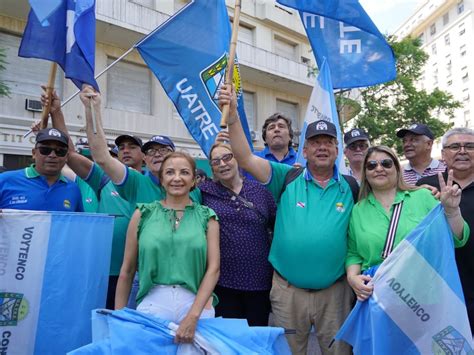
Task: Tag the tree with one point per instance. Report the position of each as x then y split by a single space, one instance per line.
387 107
4 90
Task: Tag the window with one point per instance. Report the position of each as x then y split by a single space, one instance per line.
246 34
462 50
433 49
420 38
146 3
449 82
249 104
433 29
25 75
290 110
285 48
448 64
447 40
463 31
465 95
445 18
467 118
129 87
465 76
460 7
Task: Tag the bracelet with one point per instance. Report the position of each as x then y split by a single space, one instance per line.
456 213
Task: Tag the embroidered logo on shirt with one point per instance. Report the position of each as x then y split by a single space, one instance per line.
16 200
67 204
114 193
88 200
300 204
340 207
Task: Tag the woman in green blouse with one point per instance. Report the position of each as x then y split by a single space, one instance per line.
175 242
381 189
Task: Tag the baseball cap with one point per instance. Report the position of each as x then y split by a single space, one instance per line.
416 128
52 134
320 127
163 140
354 135
123 137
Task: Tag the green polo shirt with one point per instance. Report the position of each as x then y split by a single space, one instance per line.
369 225
310 239
89 197
139 188
111 203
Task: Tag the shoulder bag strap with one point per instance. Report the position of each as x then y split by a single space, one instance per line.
392 230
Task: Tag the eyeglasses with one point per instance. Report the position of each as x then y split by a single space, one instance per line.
161 151
385 163
456 147
360 146
60 152
225 158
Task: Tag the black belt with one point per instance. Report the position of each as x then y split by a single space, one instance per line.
308 289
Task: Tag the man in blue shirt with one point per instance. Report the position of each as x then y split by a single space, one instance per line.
277 134
41 186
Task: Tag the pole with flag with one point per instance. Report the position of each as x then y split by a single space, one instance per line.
62 31
322 106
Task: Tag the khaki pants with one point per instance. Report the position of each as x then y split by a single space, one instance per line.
299 309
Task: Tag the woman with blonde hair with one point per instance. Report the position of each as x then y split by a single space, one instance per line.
387 211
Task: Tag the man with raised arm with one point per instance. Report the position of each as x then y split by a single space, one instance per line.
309 244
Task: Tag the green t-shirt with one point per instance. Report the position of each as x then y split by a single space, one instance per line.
139 188
170 256
111 203
310 239
369 225
89 197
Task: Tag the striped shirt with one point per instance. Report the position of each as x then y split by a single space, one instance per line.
411 176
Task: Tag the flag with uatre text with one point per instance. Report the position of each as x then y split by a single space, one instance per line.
188 54
357 53
417 306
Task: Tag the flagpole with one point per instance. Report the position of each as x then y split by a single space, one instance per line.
230 63
49 92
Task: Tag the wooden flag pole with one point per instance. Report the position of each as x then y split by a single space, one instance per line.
230 63
49 92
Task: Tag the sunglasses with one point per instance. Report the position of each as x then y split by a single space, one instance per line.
456 147
385 163
225 158
60 152
360 146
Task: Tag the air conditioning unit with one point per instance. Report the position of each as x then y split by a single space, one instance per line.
254 135
33 105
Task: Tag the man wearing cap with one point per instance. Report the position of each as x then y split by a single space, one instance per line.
417 144
357 143
458 153
130 151
309 243
41 186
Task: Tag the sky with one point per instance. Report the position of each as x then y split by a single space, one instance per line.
389 14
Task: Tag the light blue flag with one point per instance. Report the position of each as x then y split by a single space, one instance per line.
188 54
55 272
417 306
340 30
127 330
63 32
322 106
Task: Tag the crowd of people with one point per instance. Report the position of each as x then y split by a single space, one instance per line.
263 235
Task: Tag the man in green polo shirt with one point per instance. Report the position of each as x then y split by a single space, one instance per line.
309 244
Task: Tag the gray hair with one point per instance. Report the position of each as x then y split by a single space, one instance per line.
453 131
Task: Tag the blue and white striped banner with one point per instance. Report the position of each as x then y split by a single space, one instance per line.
53 271
417 306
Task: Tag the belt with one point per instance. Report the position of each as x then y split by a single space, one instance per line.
307 289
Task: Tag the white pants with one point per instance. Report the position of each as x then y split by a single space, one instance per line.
171 303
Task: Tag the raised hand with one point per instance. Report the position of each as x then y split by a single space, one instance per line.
450 195
55 100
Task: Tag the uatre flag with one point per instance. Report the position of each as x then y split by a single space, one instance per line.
188 54
63 31
340 30
53 271
417 306
322 106
127 331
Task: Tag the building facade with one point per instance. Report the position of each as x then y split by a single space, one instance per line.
274 57
445 28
